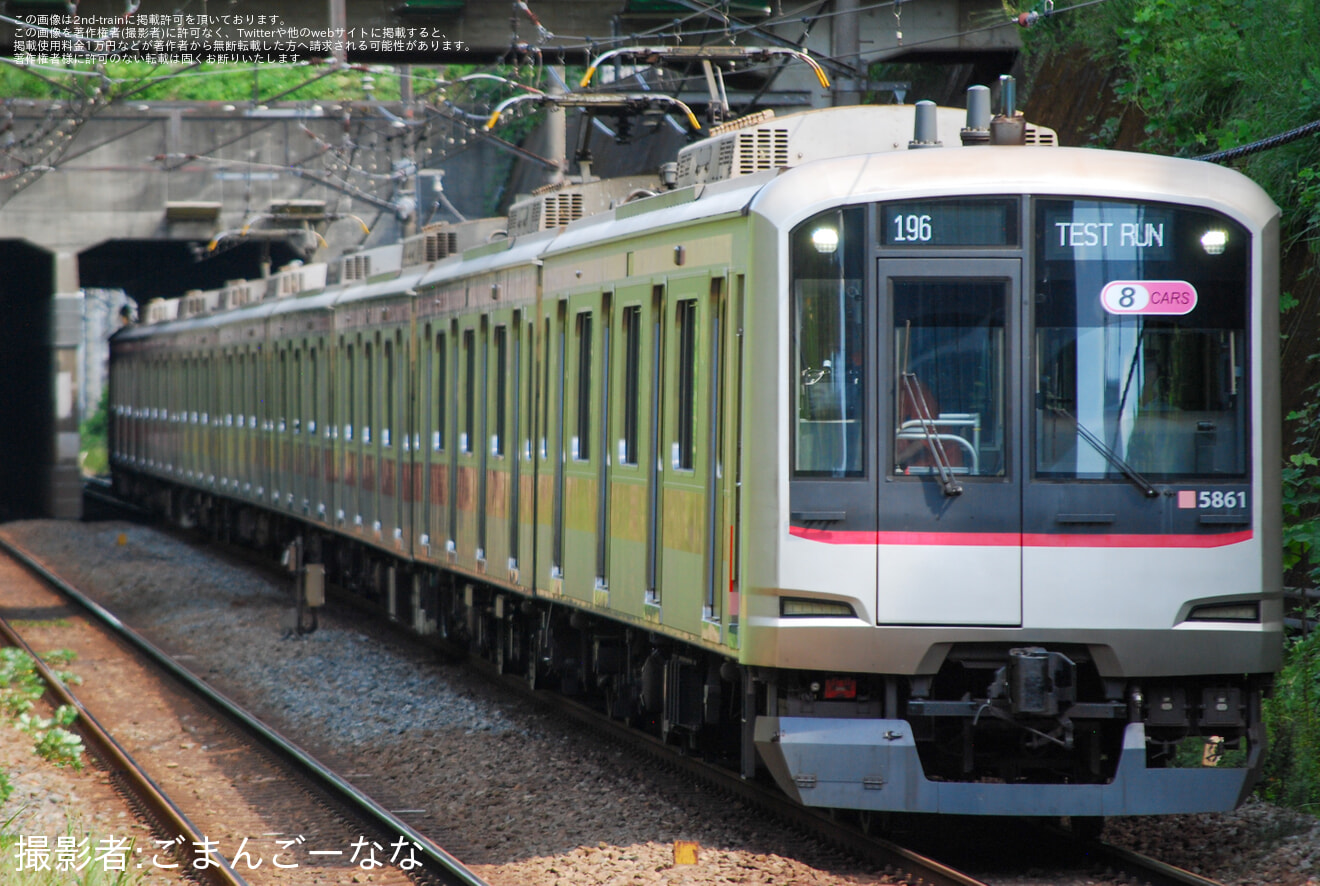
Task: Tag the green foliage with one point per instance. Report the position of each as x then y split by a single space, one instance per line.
1301 501
1292 773
1292 715
20 688
94 452
52 739
93 873
93 448
1213 76
20 685
142 81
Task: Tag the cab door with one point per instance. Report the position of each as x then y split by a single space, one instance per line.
949 503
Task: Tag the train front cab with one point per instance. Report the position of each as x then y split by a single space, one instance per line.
1032 506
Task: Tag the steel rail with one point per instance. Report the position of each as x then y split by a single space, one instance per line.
819 823
443 867
1149 870
166 819
920 868
1143 868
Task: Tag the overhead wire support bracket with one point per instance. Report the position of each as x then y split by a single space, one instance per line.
598 101
654 54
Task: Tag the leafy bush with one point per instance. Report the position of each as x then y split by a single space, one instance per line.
20 688
1210 77
1292 774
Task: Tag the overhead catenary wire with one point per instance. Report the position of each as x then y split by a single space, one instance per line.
1264 144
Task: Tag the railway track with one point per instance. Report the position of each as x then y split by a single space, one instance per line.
247 806
858 837
1103 863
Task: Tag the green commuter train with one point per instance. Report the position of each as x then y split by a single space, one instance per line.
921 476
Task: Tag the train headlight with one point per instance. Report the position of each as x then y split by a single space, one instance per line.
826 240
795 607
1239 612
1214 241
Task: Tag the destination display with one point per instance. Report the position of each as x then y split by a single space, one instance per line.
1109 231
945 223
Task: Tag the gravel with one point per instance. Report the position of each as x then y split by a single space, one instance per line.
521 798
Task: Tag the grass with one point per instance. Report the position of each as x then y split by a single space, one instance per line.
75 858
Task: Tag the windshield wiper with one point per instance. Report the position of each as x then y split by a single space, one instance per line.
942 464
1110 455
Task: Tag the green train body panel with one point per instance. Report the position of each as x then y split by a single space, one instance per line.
559 427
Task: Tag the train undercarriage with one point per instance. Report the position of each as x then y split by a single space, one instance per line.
993 718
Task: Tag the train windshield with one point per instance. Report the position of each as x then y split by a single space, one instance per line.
1140 342
829 344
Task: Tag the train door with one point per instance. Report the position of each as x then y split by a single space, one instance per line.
315 429
524 516
469 449
579 485
441 400
601 399
390 490
651 449
498 539
949 514
408 444
295 499
369 488
684 507
730 470
715 605
425 449
480 444
260 421
550 451
250 433
346 489
450 424
632 460
280 484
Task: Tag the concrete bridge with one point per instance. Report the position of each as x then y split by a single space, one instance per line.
847 33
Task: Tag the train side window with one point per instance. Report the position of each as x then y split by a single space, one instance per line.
529 424
501 388
632 341
298 381
387 421
685 314
350 411
441 400
469 390
369 376
829 345
582 428
284 390
314 412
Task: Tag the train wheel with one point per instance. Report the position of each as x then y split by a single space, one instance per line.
532 657
503 654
